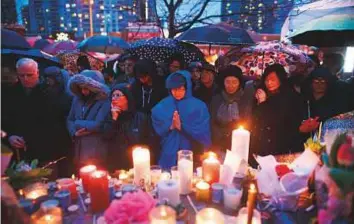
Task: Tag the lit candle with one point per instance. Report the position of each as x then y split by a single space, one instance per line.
162 215
174 172
202 191
185 171
73 177
211 169
50 216
210 216
251 201
85 173
232 198
123 176
99 191
35 191
141 161
165 176
243 216
241 142
169 190
68 184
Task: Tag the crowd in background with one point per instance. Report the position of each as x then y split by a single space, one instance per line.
95 117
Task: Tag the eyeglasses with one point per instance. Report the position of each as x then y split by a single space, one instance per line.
28 75
319 81
117 95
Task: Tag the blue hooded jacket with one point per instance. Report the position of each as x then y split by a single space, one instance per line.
194 117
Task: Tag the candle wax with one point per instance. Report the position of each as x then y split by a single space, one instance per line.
99 191
202 191
169 190
211 170
241 143
85 173
141 160
185 171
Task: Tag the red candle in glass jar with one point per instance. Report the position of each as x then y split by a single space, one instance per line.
99 191
68 184
211 169
85 173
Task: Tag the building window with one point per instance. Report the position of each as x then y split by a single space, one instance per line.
74 14
47 10
73 5
120 17
67 5
102 7
75 29
86 16
61 25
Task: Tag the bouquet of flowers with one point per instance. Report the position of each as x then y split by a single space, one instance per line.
334 182
21 174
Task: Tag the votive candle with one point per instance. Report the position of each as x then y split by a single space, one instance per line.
202 191
210 216
85 173
211 169
141 161
99 191
162 215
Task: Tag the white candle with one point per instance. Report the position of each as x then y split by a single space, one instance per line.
241 143
185 170
141 161
168 190
242 216
210 216
232 198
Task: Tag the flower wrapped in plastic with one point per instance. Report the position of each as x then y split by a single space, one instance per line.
132 208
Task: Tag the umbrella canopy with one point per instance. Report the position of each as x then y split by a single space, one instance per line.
69 58
325 23
41 43
256 58
219 34
44 60
57 47
103 44
160 49
13 40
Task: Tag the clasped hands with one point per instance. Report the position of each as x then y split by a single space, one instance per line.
176 121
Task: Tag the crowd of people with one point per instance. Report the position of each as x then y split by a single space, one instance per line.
97 118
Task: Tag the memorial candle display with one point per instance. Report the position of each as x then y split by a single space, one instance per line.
168 190
241 142
243 216
211 168
70 185
185 171
162 215
202 191
85 173
210 216
99 191
251 202
141 161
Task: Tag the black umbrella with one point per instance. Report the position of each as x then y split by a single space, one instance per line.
41 44
219 34
160 49
44 60
13 40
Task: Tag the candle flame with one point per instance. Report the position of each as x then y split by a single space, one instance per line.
88 168
73 176
109 177
20 192
48 218
241 127
163 212
253 188
98 173
202 185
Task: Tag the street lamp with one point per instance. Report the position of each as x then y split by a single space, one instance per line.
90 5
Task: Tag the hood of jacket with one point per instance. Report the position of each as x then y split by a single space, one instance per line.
187 76
92 80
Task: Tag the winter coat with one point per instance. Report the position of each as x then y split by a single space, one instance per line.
122 134
206 94
195 124
276 124
227 112
39 119
89 114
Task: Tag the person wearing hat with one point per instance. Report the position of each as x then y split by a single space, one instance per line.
181 120
230 108
208 88
128 75
85 121
195 68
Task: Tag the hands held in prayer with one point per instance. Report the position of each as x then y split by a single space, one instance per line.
309 125
17 142
261 96
82 132
176 121
115 111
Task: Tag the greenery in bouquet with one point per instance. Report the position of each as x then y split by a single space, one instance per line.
21 174
315 146
340 161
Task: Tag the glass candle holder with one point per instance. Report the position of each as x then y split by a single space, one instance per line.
50 216
174 172
202 191
185 171
99 191
85 173
68 184
155 172
210 216
141 161
162 215
243 215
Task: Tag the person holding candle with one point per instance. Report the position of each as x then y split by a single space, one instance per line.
180 119
85 121
231 107
277 115
121 128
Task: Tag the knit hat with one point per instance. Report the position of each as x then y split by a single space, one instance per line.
177 80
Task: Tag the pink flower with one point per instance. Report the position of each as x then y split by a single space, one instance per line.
324 217
345 155
133 207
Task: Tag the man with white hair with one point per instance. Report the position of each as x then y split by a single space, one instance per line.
31 118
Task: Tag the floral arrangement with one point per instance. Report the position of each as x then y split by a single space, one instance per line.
21 174
282 169
314 145
133 207
341 162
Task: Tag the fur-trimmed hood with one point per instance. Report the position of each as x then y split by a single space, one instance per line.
91 79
